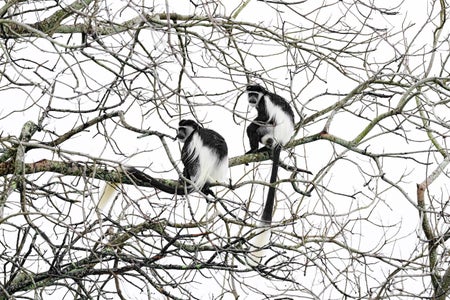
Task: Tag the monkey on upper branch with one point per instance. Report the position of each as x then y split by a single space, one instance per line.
274 123
273 127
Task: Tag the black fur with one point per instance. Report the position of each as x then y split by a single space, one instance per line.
266 217
138 175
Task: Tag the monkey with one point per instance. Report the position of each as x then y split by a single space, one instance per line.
274 123
273 127
204 155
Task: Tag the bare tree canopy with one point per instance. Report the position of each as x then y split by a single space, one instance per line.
92 93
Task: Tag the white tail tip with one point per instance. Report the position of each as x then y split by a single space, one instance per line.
257 252
108 193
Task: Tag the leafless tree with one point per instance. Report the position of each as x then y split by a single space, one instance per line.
92 89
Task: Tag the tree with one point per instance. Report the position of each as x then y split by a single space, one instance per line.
91 88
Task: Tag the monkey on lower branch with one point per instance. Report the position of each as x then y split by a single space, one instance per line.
204 156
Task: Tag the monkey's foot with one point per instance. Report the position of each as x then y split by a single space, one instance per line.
269 143
207 191
230 184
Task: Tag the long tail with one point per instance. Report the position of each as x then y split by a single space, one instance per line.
136 174
263 234
268 208
109 191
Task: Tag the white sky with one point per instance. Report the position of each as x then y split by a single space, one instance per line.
391 209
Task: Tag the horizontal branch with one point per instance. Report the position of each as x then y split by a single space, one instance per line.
130 175
52 24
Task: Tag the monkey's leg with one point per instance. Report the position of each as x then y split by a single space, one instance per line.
253 137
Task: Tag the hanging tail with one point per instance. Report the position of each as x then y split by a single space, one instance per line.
262 237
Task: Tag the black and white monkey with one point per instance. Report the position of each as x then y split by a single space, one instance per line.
204 155
273 127
274 123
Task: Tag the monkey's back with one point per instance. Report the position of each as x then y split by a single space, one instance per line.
206 157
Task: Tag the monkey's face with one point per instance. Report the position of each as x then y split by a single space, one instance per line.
184 132
253 98
185 129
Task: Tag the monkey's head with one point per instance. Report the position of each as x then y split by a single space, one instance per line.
185 129
255 92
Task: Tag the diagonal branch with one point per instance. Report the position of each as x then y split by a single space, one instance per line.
426 226
51 23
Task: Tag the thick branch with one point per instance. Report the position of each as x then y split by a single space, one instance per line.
136 177
52 24
426 226
444 289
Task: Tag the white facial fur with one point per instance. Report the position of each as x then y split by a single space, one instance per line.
254 98
185 133
211 168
